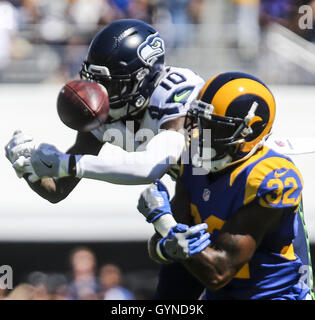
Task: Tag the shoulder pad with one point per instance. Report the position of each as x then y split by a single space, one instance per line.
275 182
172 96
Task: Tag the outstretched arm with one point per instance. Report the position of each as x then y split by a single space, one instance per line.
140 167
116 165
55 190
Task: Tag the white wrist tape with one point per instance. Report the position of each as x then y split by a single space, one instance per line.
164 224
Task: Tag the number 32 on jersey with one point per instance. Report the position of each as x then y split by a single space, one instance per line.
281 188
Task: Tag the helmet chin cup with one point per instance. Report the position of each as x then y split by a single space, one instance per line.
196 161
118 113
217 165
128 109
205 161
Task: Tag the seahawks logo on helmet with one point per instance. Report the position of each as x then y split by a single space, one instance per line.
151 49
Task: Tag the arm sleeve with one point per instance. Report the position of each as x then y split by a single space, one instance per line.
132 168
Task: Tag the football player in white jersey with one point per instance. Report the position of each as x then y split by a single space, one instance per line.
145 95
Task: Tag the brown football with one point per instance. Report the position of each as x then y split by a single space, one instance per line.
83 105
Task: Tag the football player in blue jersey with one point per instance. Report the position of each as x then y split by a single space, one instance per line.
248 195
127 57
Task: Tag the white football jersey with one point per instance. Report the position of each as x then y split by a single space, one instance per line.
170 100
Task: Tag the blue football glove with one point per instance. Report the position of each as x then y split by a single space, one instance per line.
154 201
48 161
183 241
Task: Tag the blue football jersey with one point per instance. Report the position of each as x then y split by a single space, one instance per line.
281 266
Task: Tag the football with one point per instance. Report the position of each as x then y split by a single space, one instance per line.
83 105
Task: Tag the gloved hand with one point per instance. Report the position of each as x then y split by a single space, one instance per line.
183 241
47 161
154 201
19 145
18 151
23 166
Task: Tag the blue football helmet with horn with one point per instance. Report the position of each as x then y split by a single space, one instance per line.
234 114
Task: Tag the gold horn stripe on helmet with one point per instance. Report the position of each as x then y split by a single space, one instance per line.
206 86
218 81
238 87
255 119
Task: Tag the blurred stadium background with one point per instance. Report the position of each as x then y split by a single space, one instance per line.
42 45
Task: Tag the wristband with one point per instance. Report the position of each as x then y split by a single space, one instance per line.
63 170
72 168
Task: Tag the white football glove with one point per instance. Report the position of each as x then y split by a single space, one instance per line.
48 161
18 151
19 145
23 166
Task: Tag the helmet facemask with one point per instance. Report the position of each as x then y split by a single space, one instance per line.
123 90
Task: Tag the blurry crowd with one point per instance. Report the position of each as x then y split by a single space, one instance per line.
286 13
28 27
253 17
46 41
85 281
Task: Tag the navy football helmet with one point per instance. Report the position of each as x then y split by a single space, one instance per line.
127 58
